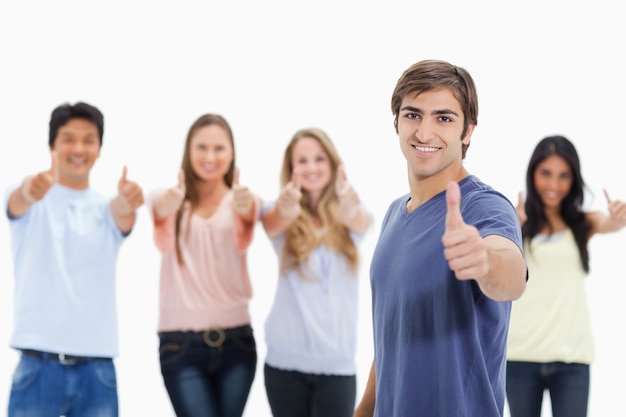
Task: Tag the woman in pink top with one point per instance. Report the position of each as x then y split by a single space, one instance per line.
203 227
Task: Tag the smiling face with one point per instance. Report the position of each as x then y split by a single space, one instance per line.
553 181
77 145
430 126
210 153
312 166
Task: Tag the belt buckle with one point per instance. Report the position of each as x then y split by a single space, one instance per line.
63 360
214 337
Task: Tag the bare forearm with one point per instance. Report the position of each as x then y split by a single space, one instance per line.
274 223
248 217
506 279
17 204
368 401
123 214
359 222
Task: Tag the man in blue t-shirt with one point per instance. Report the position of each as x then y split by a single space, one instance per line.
65 238
447 264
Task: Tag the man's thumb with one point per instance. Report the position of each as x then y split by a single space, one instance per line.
124 172
54 166
454 219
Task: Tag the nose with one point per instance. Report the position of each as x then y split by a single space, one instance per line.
553 183
209 155
78 147
307 166
425 131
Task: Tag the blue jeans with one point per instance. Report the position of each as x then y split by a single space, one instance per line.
46 387
296 394
210 373
568 384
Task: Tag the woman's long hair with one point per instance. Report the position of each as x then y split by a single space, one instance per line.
191 179
571 206
302 236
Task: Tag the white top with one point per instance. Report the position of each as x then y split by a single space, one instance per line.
551 322
312 325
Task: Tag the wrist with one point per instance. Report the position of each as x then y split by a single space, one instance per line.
121 207
24 190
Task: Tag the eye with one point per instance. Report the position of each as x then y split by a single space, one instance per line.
445 119
414 116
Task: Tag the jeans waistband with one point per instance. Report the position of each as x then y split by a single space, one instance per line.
214 337
62 358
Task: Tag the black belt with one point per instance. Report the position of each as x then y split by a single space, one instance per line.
213 337
62 358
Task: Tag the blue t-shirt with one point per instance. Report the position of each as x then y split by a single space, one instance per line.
64 252
439 342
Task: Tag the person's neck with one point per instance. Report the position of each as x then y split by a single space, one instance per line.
423 189
212 190
74 185
554 221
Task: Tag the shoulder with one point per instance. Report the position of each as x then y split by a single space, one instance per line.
475 192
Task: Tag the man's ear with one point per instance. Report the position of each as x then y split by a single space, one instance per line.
468 135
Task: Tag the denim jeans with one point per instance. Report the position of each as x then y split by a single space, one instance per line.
297 394
568 384
210 373
46 387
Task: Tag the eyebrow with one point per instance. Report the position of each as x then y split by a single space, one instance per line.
71 133
434 113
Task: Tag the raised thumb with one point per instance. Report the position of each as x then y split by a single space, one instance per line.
454 219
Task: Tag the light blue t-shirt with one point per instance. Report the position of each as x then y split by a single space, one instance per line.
439 341
64 252
312 325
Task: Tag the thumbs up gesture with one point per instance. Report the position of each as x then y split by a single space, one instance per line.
617 210
35 187
348 199
463 246
288 203
170 201
243 201
130 194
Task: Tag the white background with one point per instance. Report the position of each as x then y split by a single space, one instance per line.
272 67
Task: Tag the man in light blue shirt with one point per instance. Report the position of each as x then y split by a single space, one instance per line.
65 241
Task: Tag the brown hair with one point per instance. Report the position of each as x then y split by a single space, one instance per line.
191 179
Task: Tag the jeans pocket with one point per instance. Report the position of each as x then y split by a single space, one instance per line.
105 373
26 372
171 350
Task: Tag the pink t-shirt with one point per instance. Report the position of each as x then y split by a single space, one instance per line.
212 288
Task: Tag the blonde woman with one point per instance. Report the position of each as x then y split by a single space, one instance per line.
311 331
